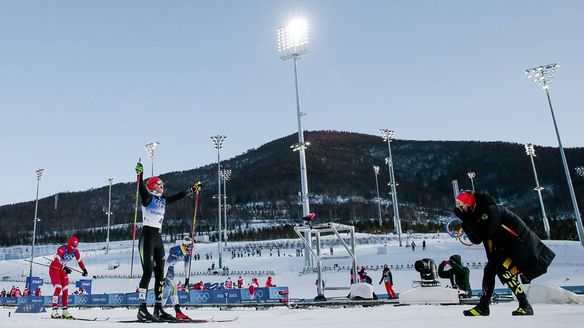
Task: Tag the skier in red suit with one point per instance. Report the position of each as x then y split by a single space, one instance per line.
58 271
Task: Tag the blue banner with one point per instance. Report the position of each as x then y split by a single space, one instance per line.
215 296
30 308
33 283
85 284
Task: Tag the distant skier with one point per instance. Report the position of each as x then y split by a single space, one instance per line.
58 272
176 254
512 248
388 279
458 274
150 243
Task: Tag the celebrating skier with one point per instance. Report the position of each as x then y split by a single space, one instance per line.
58 271
512 248
176 254
150 243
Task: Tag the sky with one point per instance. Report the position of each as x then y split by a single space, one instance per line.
84 85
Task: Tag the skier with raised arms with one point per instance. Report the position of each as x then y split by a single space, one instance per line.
150 244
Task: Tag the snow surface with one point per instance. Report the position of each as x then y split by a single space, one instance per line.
567 269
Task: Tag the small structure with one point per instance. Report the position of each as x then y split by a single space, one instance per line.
326 229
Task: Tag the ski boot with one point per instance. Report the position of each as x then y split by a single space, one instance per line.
180 315
481 309
66 315
144 315
160 315
525 309
55 314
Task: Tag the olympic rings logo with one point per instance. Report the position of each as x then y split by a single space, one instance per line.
202 297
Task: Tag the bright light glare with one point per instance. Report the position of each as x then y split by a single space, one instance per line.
293 38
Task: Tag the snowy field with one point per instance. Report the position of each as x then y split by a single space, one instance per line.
567 269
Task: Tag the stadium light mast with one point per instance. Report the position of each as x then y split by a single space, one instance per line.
292 43
388 136
471 176
39 174
530 151
218 144
580 171
542 75
109 213
376 171
225 175
151 149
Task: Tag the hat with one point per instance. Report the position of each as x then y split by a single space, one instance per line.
152 181
467 198
73 243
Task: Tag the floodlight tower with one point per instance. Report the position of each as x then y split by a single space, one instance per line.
292 43
109 213
388 136
218 144
225 175
530 151
580 171
151 149
542 75
471 176
39 174
376 171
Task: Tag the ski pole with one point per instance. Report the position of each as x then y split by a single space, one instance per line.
52 267
198 186
135 221
51 260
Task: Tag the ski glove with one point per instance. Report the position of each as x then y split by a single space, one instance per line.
139 168
84 273
67 270
197 187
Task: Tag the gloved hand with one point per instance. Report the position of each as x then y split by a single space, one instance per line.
84 273
197 187
139 168
67 270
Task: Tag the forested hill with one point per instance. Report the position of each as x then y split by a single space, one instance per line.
265 184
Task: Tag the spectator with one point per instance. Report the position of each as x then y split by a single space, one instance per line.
240 282
424 245
199 286
3 294
269 282
363 277
25 292
457 273
413 245
388 279
228 283
37 292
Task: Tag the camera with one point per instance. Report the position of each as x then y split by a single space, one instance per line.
427 270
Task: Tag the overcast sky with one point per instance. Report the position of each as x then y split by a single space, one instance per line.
84 85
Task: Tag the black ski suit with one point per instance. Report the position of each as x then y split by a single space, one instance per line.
150 244
512 248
